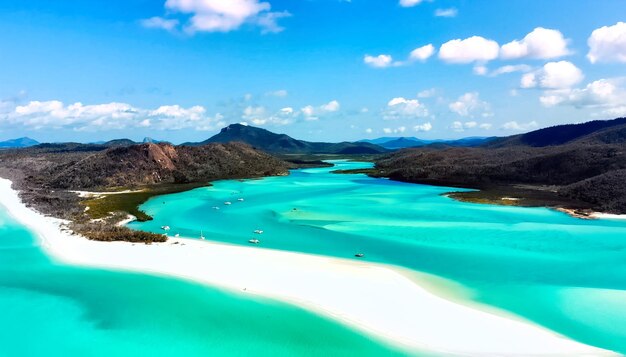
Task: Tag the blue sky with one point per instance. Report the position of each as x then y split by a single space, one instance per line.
315 69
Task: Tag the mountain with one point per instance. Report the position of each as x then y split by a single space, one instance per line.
119 143
582 165
149 164
394 143
18 143
283 144
558 135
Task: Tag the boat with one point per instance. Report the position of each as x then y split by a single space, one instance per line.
254 241
215 207
258 231
165 228
240 199
228 203
359 255
176 235
201 235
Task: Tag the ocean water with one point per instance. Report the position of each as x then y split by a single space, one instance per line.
564 273
51 309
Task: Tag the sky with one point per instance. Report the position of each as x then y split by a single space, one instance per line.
324 70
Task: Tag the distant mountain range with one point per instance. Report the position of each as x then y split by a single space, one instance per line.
394 143
18 143
284 144
581 162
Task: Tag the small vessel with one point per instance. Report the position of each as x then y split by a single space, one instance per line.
258 231
228 203
215 207
359 255
254 241
201 235
165 228
176 235
240 199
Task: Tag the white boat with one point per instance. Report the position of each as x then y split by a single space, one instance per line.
258 231
359 255
165 228
215 207
228 203
201 235
254 241
176 235
240 199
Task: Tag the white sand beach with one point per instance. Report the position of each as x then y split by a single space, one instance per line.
373 298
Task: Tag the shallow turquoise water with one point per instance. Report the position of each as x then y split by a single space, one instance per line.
564 273
50 309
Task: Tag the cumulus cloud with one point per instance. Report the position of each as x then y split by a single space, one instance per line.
427 93
608 44
422 53
459 126
259 115
160 23
472 49
608 95
398 130
553 75
541 43
470 105
513 125
423 127
400 108
484 71
410 3
55 114
331 106
384 60
380 61
450 12
219 15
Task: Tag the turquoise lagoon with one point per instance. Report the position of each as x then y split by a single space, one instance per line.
51 309
564 273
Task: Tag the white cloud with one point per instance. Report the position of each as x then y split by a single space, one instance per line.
462 126
331 106
54 114
608 95
608 44
369 130
259 115
281 93
473 49
427 93
423 127
469 105
553 75
400 107
541 43
480 70
513 125
311 113
221 16
422 53
380 61
157 22
410 3
450 12
510 69
398 130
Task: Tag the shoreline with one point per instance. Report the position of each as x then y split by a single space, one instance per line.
373 298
